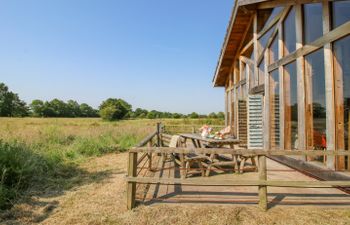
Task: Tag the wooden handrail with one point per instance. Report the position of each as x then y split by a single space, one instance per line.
234 182
147 139
243 152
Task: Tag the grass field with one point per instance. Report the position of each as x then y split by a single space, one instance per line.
71 171
48 151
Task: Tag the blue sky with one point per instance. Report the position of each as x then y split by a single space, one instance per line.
155 54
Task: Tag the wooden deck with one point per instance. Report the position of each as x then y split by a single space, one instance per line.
152 180
149 194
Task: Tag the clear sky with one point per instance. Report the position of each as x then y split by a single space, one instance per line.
155 54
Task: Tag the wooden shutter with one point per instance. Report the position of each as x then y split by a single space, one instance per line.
255 121
242 123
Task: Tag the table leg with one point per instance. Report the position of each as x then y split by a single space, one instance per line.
194 143
199 144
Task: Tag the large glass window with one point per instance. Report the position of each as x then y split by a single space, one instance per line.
316 101
289 33
274 51
313 28
341 12
342 77
261 72
274 110
264 39
291 106
274 13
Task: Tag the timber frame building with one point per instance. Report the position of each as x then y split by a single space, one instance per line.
285 66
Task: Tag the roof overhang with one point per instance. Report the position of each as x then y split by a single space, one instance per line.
239 22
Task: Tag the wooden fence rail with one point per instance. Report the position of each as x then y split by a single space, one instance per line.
134 161
262 183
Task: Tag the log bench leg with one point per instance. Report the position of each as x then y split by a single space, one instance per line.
183 166
254 163
244 159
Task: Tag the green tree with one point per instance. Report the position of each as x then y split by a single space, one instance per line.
152 114
87 111
73 109
194 115
140 113
59 108
176 115
38 108
11 104
108 113
114 109
212 115
221 115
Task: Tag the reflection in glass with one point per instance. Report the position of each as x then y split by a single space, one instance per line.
274 51
342 74
312 22
244 91
274 110
291 106
263 40
341 13
274 13
289 33
261 72
316 101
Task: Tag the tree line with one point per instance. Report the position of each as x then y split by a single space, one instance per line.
111 109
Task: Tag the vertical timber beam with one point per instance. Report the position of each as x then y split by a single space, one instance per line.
149 155
255 50
226 108
159 130
300 79
281 83
330 112
131 186
235 96
266 113
262 188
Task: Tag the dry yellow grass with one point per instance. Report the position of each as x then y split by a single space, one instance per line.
97 192
101 200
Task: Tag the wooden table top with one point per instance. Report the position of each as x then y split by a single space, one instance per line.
229 140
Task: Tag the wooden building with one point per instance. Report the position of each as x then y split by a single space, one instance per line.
285 66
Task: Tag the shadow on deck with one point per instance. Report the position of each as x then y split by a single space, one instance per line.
149 194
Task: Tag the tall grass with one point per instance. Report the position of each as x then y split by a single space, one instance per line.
48 151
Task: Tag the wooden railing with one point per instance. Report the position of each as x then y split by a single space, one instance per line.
176 129
151 141
155 147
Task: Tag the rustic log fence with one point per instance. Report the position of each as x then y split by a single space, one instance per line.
176 129
156 147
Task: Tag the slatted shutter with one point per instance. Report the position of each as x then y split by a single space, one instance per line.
255 121
242 123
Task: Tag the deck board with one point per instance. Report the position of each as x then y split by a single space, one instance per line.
277 196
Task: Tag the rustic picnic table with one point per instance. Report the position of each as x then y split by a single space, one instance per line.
198 140
214 161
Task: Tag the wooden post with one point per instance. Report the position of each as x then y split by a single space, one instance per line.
262 188
183 166
131 186
158 134
300 80
282 88
149 155
330 101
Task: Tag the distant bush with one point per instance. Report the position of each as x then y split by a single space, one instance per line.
115 109
59 108
10 104
193 115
